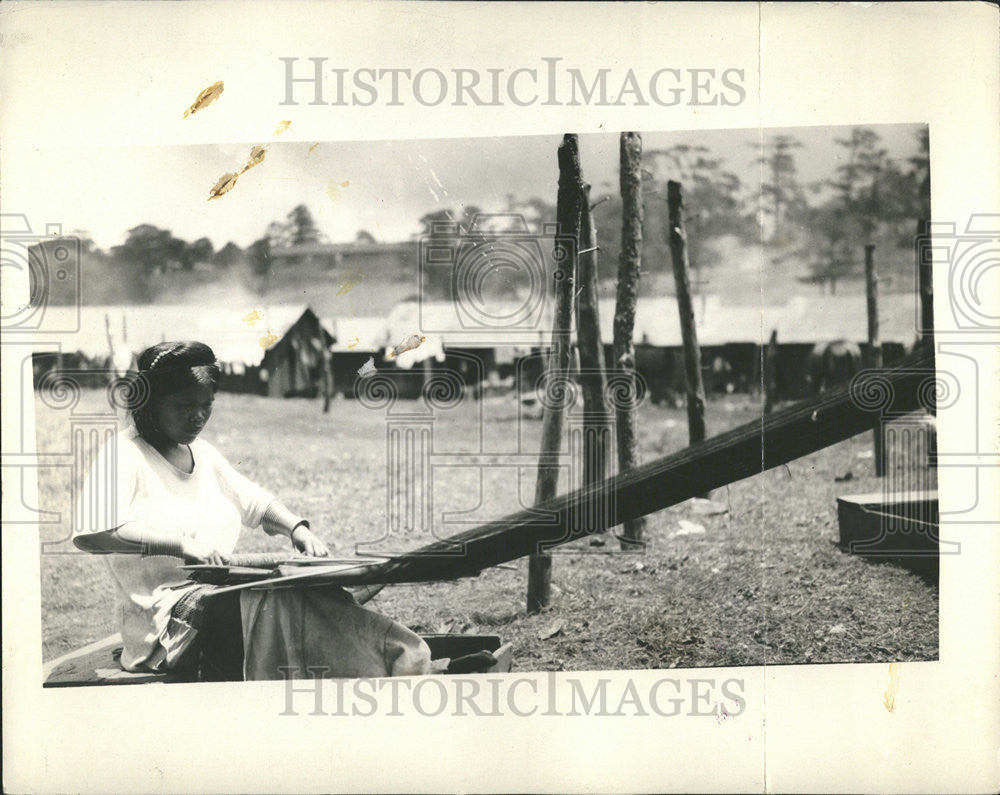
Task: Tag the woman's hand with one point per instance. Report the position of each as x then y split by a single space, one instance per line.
307 543
196 551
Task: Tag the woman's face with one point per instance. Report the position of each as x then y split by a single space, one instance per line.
181 416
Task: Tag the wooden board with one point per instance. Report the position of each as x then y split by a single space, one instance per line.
899 528
97 664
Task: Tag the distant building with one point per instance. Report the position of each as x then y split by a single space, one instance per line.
376 260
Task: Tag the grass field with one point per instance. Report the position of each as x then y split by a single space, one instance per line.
764 583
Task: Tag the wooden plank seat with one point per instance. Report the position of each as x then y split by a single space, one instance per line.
97 664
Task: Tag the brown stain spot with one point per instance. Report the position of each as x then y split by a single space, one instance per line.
408 344
267 341
228 181
281 126
354 344
251 317
333 189
889 696
351 280
255 158
313 146
225 184
205 98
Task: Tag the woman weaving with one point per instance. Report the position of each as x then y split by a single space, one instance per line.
174 499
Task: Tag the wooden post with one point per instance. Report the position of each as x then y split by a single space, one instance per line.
596 419
629 263
874 348
682 278
770 367
112 366
111 342
755 387
925 284
569 207
327 373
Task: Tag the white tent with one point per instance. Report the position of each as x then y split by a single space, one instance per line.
237 334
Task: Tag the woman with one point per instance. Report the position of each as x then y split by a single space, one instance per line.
175 498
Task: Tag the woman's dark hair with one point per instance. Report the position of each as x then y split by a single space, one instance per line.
166 368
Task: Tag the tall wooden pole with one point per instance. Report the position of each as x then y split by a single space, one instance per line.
682 278
874 347
569 208
770 372
112 365
596 418
925 285
629 263
327 372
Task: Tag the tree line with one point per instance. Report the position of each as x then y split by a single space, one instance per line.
811 232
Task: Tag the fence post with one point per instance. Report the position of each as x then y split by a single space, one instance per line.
874 348
925 284
682 278
596 419
629 264
769 372
569 206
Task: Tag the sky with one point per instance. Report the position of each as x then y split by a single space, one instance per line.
383 187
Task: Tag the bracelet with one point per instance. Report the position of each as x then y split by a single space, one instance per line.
279 520
156 544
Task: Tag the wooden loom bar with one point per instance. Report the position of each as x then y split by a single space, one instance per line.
759 445
748 450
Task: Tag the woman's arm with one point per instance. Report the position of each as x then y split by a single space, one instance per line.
258 507
280 520
158 542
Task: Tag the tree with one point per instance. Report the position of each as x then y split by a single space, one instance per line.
713 205
302 229
858 209
911 192
445 229
783 197
364 236
279 235
258 257
147 254
832 258
227 256
857 180
200 251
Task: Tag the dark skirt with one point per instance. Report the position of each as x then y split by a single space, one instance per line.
216 654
